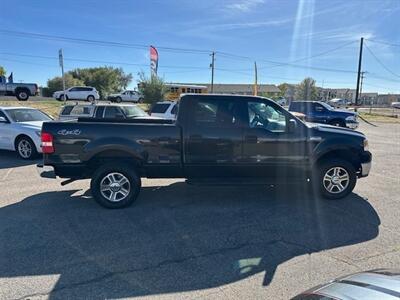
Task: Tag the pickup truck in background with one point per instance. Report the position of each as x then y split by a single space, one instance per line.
215 139
106 111
20 90
320 112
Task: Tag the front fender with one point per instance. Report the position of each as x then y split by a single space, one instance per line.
336 144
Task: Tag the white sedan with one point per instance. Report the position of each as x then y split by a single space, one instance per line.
20 130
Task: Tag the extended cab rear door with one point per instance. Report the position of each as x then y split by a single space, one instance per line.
212 137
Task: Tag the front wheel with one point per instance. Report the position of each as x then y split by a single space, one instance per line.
90 98
115 185
335 179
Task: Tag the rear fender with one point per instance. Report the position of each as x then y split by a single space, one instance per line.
98 146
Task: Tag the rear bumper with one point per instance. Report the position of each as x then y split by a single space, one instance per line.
46 171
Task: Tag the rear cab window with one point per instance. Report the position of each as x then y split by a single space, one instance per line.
77 110
216 113
160 108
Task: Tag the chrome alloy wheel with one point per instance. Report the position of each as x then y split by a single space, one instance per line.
336 180
115 187
24 148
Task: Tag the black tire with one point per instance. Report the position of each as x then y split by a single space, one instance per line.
22 94
90 98
140 100
103 197
338 123
118 99
327 168
25 148
62 97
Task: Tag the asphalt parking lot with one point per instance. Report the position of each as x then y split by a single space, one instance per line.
186 242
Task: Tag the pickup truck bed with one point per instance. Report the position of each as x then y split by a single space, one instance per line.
215 137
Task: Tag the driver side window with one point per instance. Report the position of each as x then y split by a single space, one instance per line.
262 115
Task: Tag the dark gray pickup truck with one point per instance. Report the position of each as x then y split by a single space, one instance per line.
215 139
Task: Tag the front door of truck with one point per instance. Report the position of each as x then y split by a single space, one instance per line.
270 147
213 138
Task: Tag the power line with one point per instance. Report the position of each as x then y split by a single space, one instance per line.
384 43
380 62
98 42
27 62
102 61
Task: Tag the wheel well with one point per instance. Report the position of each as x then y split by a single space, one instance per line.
23 89
108 156
347 155
21 136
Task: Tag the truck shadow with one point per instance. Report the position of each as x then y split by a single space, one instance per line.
10 159
174 239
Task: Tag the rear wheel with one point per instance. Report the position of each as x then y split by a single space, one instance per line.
335 179
118 99
22 94
115 185
25 148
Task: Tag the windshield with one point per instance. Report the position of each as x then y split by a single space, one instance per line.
326 105
27 115
134 112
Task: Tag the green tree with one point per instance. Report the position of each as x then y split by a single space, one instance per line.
106 80
56 83
2 71
307 90
283 87
153 89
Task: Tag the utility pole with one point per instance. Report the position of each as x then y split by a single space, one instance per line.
255 79
359 69
61 61
212 71
361 83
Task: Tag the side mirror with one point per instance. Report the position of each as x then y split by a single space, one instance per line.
3 120
292 125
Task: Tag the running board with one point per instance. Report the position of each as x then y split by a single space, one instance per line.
244 181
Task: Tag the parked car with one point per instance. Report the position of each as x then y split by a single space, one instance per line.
78 93
110 111
20 130
382 284
126 96
339 102
320 112
165 110
396 104
20 90
215 139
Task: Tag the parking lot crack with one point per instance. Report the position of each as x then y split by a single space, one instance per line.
147 268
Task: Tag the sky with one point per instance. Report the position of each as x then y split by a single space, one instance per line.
289 39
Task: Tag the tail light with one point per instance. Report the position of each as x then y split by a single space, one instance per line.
47 143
